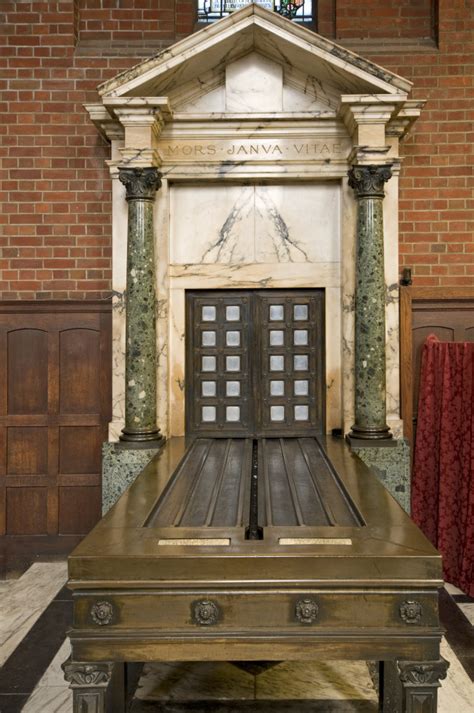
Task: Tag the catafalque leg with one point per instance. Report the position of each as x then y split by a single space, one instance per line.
420 682
390 688
89 683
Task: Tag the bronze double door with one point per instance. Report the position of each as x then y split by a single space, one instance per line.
255 363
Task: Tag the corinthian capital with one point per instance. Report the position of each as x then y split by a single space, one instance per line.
425 673
92 675
368 181
140 183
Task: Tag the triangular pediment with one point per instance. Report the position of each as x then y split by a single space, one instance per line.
198 65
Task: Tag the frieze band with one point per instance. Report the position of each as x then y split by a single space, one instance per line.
140 183
368 181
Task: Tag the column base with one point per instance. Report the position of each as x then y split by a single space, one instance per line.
370 436
146 439
360 442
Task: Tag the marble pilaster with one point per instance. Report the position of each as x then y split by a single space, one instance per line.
370 368
140 353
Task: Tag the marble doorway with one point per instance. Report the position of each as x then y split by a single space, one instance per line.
231 236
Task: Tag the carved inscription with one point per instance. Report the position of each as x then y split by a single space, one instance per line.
249 149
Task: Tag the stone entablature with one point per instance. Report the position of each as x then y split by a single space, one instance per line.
256 99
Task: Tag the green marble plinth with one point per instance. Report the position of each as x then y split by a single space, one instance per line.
392 467
120 467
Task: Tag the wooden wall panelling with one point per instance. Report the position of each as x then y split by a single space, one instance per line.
55 405
446 312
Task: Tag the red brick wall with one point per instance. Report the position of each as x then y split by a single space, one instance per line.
131 21
56 213
381 18
436 184
55 189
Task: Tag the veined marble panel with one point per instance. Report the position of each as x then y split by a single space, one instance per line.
162 258
255 224
119 281
348 211
254 84
334 363
212 224
297 223
255 276
392 333
213 101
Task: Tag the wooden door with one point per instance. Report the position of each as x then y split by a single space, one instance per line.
55 404
255 362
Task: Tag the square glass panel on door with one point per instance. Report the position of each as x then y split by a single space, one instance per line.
255 362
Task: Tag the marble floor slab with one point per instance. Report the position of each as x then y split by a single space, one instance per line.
332 680
24 601
456 694
52 694
190 681
468 611
452 589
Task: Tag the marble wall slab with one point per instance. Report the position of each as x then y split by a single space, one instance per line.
254 83
221 223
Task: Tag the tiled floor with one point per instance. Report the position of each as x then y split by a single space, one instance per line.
36 612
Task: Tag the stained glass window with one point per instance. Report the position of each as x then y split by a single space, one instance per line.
297 10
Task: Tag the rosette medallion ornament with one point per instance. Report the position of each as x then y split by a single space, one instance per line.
306 611
411 612
102 613
370 389
205 613
141 185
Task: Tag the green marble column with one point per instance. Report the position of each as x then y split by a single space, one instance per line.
370 392
140 351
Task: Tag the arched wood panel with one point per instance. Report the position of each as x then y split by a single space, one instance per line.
55 405
27 384
79 378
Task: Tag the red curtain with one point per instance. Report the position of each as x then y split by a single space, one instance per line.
443 474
